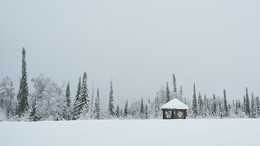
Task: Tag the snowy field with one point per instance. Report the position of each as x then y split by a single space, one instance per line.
190 132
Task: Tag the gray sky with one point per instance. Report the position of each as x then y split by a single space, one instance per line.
137 43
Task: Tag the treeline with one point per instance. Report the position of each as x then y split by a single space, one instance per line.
49 101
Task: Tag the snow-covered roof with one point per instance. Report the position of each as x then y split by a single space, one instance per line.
175 104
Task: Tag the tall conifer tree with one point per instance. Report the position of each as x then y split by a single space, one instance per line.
214 108
181 95
77 101
23 92
174 83
111 100
126 109
200 104
257 103
142 106
33 115
67 108
247 104
97 106
194 102
225 103
117 111
84 98
253 107
156 106
168 97
205 106
236 108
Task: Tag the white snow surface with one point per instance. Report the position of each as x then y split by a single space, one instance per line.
189 132
174 104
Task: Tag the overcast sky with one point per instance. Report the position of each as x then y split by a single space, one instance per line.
137 43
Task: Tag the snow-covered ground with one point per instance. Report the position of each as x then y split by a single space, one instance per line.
189 132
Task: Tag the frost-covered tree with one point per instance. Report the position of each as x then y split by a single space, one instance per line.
168 97
205 110
97 106
225 104
146 111
200 104
111 100
142 106
121 113
49 97
175 94
247 104
220 109
156 107
253 107
174 83
214 107
23 92
33 115
135 110
126 109
194 102
67 108
117 111
7 101
84 98
257 103
244 104
76 110
181 95
236 108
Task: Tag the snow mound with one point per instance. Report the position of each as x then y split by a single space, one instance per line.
175 104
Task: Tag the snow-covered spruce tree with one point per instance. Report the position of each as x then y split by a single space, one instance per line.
244 104
135 110
33 115
142 108
162 96
156 107
174 83
225 104
205 109
174 86
126 109
84 98
117 111
168 97
247 104
23 92
97 106
77 102
220 109
146 111
257 103
185 100
111 101
121 113
49 97
67 108
181 95
236 108
194 102
253 107
7 101
214 107
200 104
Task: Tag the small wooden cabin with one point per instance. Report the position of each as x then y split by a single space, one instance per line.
174 109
